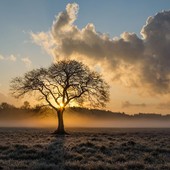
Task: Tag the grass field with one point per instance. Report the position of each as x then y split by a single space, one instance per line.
85 149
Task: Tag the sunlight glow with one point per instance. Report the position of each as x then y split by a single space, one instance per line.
61 105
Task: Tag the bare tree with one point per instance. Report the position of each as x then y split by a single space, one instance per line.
63 83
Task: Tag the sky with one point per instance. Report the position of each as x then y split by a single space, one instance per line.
128 41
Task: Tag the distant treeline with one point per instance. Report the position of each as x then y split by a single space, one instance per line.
103 114
10 111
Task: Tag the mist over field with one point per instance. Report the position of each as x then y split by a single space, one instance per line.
81 117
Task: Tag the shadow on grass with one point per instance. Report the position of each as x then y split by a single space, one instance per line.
53 156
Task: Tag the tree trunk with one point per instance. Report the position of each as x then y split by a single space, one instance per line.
60 130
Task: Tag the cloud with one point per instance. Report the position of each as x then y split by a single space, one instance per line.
127 104
160 106
1 57
142 63
26 61
12 58
164 106
9 58
45 40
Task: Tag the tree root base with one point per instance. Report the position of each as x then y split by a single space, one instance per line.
60 133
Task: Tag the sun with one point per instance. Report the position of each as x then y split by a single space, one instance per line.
61 105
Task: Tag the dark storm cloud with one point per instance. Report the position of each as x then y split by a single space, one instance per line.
134 61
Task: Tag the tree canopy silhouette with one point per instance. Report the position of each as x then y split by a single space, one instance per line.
61 84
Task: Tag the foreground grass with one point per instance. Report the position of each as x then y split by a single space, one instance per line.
85 149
